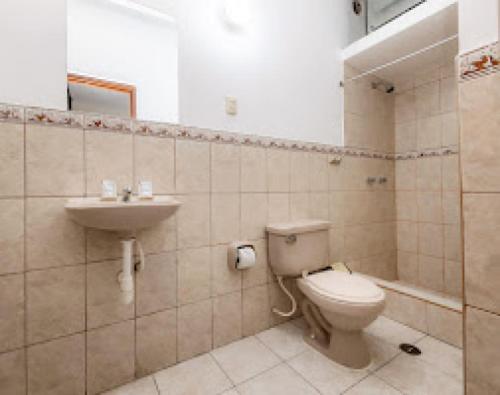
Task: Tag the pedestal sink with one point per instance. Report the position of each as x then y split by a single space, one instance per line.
117 215
126 217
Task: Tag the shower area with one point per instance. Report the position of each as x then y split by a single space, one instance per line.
400 103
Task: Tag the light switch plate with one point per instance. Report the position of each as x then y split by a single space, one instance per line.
231 105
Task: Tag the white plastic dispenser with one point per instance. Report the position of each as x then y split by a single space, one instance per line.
241 255
109 191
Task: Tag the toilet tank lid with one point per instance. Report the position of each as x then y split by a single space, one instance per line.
297 227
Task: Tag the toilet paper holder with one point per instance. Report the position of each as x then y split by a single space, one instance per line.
233 255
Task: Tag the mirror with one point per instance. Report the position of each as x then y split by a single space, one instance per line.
122 58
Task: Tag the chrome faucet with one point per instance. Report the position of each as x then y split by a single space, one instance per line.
126 194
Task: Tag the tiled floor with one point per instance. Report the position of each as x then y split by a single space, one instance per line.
278 362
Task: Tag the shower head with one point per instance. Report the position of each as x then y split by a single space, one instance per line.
383 86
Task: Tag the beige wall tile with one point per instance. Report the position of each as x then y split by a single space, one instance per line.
227 319
103 245
11 236
453 278
451 208
406 175
278 170
55 303
253 169
408 267
105 299
448 94
404 107
225 218
12 159
278 207
407 236
299 171
319 202
431 272
52 238
192 166
405 309
430 240
224 279
194 329
257 274
253 215
156 342
157 284
193 275
479 101
451 173
427 99
406 206
318 172
429 174
299 206
336 208
54 161
193 221
445 325
57 367
337 245
453 242
482 345
406 136
13 373
450 129
109 156
337 174
110 357
255 310
429 132
159 238
155 161
482 248
225 159
430 207
12 312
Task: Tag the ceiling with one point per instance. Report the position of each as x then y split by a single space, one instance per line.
167 7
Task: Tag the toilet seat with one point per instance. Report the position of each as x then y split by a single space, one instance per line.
341 287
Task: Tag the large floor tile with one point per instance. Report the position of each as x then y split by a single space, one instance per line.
145 386
327 376
381 351
373 386
285 340
444 357
393 332
412 376
198 376
281 380
245 359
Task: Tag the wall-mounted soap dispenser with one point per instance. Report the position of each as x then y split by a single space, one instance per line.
241 255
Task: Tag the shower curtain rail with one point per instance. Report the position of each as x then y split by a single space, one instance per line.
402 58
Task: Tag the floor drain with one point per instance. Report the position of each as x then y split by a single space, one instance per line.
410 349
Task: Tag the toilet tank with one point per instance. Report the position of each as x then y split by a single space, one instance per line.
297 246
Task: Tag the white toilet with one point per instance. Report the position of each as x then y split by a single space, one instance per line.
338 305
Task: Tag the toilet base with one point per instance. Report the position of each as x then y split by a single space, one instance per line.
347 348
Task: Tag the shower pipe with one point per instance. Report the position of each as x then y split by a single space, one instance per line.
401 59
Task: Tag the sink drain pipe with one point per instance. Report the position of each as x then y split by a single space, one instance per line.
126 276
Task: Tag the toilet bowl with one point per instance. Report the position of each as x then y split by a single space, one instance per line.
337 305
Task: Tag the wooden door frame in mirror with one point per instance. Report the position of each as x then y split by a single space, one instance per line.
110 85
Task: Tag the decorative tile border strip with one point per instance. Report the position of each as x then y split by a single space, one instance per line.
113 124
480 62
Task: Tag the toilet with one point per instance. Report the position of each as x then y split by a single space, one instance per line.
337 305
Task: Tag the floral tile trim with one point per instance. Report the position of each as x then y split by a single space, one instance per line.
480 62
54 117
10 113
445 151
107 123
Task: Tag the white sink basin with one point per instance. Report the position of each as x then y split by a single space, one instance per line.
121 216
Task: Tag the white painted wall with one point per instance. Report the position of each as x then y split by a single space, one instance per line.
479 23
33 45
283 67
113 43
